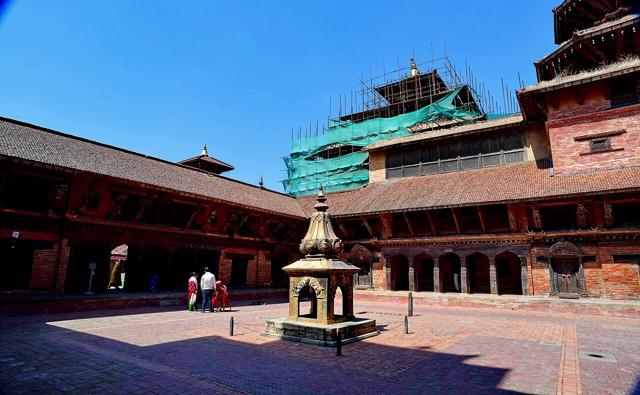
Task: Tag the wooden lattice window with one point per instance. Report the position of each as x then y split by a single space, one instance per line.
599 145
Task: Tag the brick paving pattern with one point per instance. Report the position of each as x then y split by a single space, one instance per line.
448 350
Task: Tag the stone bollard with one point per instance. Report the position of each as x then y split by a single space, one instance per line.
410 304
406 325
231 327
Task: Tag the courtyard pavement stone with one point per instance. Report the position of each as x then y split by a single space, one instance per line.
449 350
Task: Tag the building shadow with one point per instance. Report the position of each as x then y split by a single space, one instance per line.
242 362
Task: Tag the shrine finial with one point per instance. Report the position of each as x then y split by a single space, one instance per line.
204 151
320 238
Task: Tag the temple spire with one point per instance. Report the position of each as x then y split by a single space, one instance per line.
204 151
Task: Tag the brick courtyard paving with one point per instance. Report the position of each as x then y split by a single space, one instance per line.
448 350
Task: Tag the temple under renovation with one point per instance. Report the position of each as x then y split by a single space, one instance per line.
431 187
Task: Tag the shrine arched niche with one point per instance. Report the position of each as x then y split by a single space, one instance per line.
307 291
566 272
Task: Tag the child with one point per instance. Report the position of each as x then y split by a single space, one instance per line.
193 291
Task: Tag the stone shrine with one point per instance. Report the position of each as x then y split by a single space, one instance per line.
317 277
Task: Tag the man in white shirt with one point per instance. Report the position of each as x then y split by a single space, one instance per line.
208 286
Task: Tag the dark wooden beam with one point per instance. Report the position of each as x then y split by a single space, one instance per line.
196 211
387 226
368 226
455 220
431 223
406 220
116 207
343 229
145 202
481 217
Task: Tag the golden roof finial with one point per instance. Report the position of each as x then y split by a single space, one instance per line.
204 151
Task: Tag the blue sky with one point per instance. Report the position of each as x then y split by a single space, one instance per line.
164 77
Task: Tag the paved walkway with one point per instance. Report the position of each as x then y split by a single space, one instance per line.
448 350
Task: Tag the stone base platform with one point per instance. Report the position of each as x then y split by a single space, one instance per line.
318 334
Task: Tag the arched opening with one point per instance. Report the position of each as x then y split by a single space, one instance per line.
307 303
400 273
508 274
424 272
156 264
338 303
449 265
478 273
117 267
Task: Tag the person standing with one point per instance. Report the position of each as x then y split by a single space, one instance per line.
193 291
207 285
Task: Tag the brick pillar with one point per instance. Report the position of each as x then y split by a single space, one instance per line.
387 268
252 265
63 261
224 269
264 268
437 281
493 277
464 278
524 275
412 276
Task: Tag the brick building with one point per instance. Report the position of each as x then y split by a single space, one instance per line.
544 202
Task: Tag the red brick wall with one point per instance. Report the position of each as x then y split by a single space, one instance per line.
43 270
593 278
379 274
570 156
621 280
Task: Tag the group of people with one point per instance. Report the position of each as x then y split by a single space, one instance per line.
214 293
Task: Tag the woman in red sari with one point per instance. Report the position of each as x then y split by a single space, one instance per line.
193 291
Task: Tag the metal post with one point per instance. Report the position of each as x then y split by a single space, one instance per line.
406 325
410 304
339 345
231 327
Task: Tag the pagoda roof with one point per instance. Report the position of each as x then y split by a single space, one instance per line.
207 163
527 181
33 143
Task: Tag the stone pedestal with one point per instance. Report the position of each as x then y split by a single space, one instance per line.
319 334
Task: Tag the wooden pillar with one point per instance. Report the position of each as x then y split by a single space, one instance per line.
437 281
412 276
524 275
493 276
464 277
61 270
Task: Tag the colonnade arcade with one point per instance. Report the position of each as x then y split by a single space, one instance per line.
464 271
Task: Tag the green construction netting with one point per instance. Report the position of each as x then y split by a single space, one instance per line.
305 171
